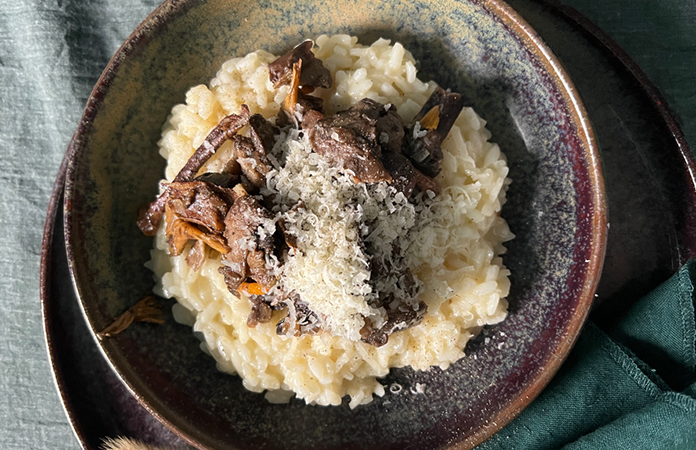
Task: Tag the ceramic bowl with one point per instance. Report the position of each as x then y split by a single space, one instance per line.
556 208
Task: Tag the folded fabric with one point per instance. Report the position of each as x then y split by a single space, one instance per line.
632 386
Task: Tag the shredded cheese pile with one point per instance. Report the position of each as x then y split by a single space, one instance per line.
342 230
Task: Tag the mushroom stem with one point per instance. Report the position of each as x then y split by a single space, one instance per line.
150 217
146 310
227 128
291 99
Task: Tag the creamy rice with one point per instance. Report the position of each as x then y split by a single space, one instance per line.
455 252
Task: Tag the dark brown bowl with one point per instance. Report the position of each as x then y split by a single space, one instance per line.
556 208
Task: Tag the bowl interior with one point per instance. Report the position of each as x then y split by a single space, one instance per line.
555 208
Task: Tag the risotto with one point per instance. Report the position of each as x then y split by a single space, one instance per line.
448 243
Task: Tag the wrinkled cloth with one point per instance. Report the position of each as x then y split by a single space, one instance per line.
628 387
51 55
631 387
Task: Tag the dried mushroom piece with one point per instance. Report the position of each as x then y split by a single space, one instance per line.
179 232
310 119
201 203
262 305
401 312
249 231
430 127
226 129
290 240
263 134
298 103
299 320
402 172
350 140
197 255
146 310
305 104
388 126
400 318
425 183
254 163
314 73
261 312
367 139
222 179
150 216
196 210
291 99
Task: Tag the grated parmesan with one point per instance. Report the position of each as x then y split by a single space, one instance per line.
343 229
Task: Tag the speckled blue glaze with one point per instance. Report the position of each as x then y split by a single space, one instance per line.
555 207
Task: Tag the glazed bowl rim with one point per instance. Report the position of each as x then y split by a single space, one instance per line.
171 9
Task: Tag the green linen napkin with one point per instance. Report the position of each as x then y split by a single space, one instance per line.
629 387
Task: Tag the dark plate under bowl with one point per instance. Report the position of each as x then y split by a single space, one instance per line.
556 208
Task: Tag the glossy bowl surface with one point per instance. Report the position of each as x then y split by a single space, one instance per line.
556 208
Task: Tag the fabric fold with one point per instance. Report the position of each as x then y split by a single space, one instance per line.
661 329
631 387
